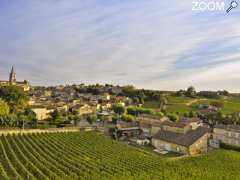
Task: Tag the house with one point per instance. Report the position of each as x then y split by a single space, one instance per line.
127 129
62 107
208 107
104 106
228 134
150 124
105 116
184 137
82 109
106 97
47 93
41 112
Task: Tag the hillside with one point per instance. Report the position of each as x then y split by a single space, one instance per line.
185 104
88 155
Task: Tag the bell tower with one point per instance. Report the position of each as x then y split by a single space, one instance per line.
12 76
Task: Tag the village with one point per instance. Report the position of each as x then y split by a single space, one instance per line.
106 111
119 90
119 112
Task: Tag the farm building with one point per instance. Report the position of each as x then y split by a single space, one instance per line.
150 124
228 134
184 137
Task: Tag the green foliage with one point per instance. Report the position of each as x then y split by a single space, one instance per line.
10 120
191 92
141 110
160 114
129 90
15 97
135 111
191 114
132 111
31 117
162 103
74 118
229 147
56 116
173 117
92 118
4 108
118 109
88 155
127 117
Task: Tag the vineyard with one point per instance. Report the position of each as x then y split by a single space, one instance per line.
88 155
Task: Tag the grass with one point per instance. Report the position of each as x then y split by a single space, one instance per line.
183 105
151 104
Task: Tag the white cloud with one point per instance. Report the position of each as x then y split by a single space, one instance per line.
147 43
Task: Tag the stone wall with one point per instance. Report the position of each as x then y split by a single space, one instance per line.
200 146
227 137
162 145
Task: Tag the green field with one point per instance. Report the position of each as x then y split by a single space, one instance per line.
88 155
183 105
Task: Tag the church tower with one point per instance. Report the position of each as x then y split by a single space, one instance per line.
12 76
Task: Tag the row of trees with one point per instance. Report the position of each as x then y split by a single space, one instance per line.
220 118
191 92
130 113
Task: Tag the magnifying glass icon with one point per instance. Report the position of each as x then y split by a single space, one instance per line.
233 5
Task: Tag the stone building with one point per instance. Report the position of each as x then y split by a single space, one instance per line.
83 109
13 81
184 137
150 124
42 113
228 134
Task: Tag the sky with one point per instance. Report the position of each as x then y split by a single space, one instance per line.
152 44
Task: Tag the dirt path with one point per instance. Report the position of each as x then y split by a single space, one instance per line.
193 101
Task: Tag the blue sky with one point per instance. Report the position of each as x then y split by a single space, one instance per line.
152 44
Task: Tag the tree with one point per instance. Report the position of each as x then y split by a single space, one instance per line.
129 91
191 92
136 100
140 110
92 118
56 115
15 97
4 108
162 102
31 117
127 117
180 93
76 119
132 111
22 119
10 120
235 118
173 117
212 119
160 114
118 109
191 114
141 99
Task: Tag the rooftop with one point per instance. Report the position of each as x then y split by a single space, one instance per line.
235 128
183 121
181 139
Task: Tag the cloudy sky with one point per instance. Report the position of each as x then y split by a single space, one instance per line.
154 44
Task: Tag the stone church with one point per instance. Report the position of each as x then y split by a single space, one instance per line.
13 81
